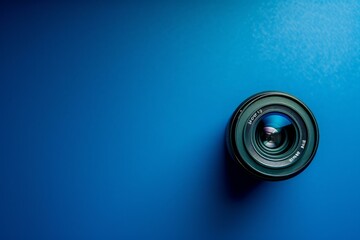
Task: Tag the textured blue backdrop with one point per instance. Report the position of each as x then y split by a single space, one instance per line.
113 117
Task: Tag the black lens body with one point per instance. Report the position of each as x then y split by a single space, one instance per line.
272 135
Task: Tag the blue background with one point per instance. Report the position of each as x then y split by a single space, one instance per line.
113 118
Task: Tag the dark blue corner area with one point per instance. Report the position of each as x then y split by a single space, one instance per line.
113 116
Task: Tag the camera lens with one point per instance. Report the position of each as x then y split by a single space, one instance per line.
272 135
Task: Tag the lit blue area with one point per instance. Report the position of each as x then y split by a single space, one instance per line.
276 120
113 118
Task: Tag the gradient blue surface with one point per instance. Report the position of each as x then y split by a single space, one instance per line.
113 118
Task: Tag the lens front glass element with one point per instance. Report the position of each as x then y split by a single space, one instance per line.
275 133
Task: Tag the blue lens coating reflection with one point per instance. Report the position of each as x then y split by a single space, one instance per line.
276 120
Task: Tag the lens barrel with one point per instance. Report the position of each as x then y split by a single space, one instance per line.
272 135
